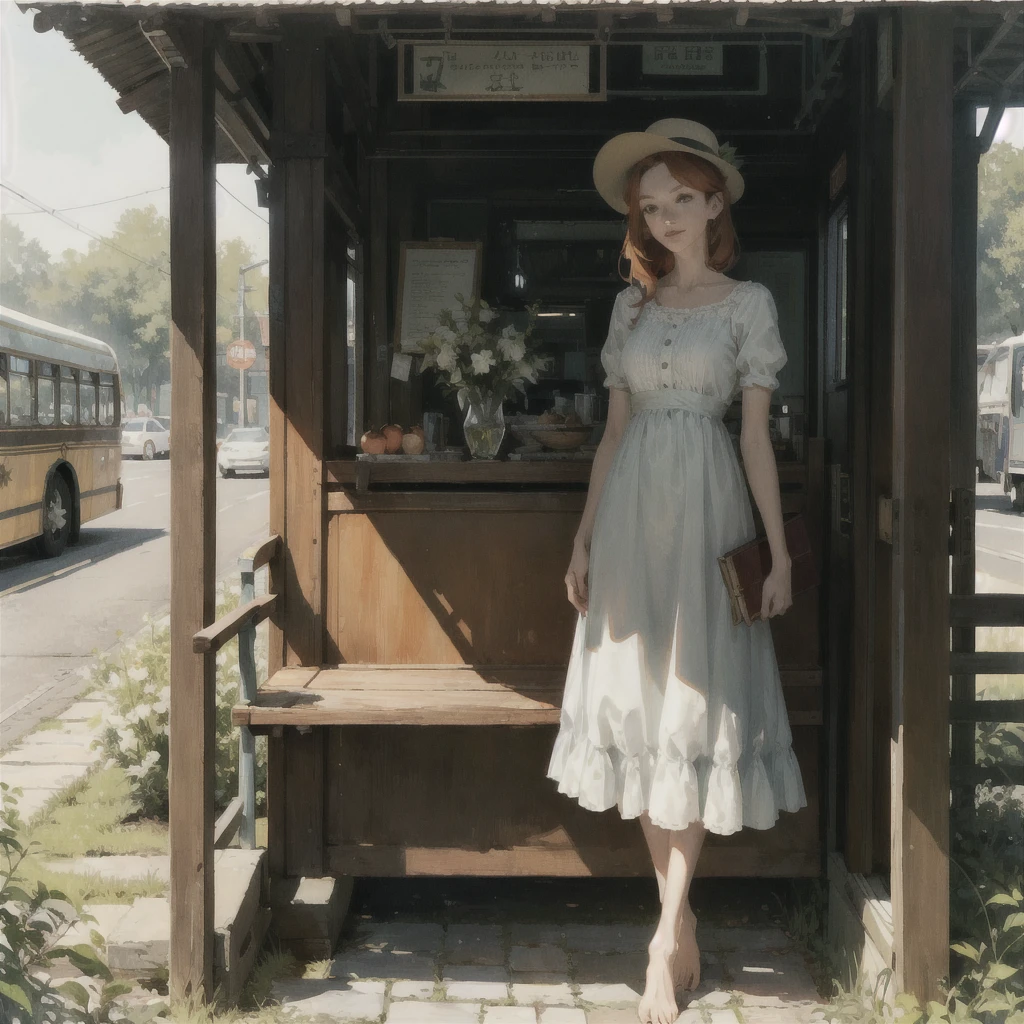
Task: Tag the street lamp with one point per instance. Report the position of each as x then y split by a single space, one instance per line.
242 271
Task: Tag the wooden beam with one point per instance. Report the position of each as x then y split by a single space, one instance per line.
300 116
215 636
193 510
922 247
151 89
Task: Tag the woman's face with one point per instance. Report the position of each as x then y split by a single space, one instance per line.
676 215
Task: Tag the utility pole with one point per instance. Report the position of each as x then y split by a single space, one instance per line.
242 271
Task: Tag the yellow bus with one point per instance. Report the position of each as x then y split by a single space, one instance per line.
60 438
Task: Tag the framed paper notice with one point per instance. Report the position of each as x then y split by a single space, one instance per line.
518 70
430 275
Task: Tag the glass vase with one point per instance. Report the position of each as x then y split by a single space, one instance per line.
483 425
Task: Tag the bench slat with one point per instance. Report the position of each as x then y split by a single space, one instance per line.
443 695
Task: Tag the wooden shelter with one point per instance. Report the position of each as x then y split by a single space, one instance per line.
419 627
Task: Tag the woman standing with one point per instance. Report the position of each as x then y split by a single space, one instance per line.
672 712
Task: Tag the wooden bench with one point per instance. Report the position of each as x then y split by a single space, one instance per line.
442 695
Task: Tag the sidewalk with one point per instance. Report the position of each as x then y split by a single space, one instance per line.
517 972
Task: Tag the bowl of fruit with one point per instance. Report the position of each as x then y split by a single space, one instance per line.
562 433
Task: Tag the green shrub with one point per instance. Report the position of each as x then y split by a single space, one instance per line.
33 927
136 685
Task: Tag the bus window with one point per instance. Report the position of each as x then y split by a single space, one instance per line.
68 396
3 390
106 399
87 397
20 384
45 397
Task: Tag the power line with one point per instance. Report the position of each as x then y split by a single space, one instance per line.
85 231
89 206
258 216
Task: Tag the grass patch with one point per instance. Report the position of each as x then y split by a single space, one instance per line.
90 887
88 820
49 725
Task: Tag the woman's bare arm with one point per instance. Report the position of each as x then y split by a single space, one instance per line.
761 470
618 416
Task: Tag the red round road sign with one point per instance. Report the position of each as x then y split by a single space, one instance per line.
241 354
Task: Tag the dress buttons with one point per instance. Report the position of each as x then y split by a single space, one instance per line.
664 366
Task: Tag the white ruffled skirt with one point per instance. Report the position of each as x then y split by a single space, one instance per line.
669 707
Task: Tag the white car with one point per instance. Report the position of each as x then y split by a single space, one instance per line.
246 449
146 437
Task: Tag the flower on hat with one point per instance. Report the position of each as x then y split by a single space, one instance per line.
728 153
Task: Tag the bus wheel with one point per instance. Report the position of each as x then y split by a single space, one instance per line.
148 450
1018 495
57 517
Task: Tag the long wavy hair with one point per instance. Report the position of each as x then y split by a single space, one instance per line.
648 259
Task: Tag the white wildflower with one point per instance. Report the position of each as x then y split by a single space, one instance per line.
482 361
486 315
446 357
513 348
138 674
113 679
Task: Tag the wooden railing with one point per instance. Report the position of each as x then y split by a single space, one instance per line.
239 817
966 612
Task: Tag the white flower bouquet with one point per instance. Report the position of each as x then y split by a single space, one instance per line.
476 361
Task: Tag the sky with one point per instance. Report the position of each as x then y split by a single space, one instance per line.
65 144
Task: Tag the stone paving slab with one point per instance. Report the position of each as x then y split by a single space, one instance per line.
355 1000
83 711
537 958
407 937
31 801
433 1013
76 731
762 940
610 995
561 1015
141 939
44 776
384 964
607 938
488 991
107 915
521 934
783 976
412 989
481 973
69 753
551 995
510 1015
610 968
474 944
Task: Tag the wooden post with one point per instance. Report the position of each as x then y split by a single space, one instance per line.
922 248
298 374
299 144
193 510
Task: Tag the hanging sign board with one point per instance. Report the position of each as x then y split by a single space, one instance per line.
430 275
504 71
682 58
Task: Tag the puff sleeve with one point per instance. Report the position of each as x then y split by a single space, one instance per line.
761 353
611 352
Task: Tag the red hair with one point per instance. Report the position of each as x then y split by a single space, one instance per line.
648 259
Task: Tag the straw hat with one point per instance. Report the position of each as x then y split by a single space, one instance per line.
672 134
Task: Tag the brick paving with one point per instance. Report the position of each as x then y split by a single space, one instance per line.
452 971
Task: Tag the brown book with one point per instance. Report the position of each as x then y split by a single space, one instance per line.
744 568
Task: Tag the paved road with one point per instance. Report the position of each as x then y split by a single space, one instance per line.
999 537
55 612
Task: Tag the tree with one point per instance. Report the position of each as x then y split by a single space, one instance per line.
1000 243
24 267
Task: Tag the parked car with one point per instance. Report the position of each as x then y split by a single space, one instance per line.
246 449
145 436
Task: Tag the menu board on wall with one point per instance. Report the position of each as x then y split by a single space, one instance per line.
430 275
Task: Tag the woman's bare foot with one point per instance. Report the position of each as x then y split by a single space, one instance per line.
686 970
658 1004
